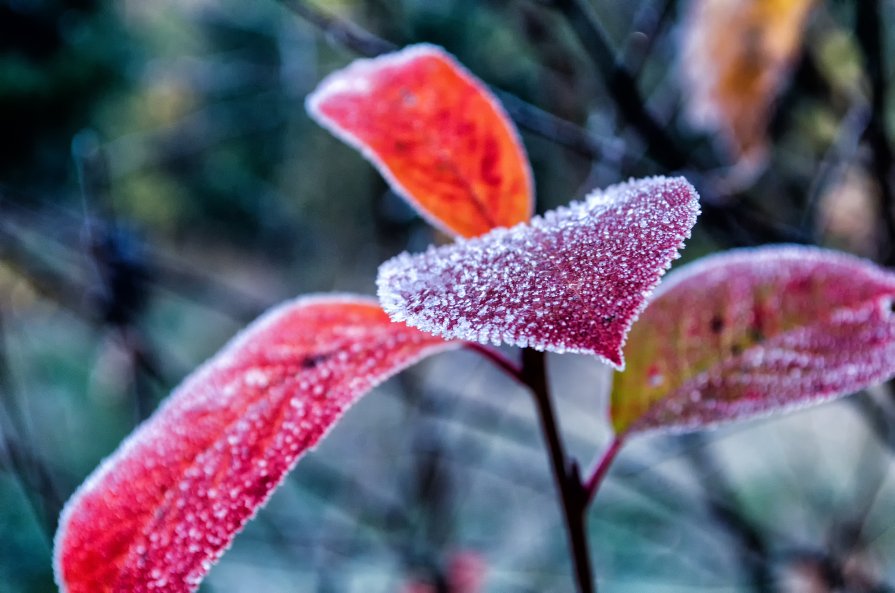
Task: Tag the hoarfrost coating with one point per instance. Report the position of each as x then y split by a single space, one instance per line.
167 503
753 332
573 280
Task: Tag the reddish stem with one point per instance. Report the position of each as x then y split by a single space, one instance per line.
510 367
601 468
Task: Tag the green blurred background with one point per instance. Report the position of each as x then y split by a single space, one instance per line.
161 185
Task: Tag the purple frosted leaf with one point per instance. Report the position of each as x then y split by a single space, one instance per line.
573 280
754 332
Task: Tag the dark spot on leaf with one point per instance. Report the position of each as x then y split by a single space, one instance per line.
736 349
309 362
607 319
716 324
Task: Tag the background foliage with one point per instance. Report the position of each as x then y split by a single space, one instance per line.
160 185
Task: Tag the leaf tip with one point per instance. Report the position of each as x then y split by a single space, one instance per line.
572 280
616 360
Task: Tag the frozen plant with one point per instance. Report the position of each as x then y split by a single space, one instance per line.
732 336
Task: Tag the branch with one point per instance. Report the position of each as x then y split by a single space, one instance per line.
620 84
341 31
649 22
869 34
601 468
18 453
565 471
498 359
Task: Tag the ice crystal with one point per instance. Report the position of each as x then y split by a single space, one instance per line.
573 280
754 332
160 510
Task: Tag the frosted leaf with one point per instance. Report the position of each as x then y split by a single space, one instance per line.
158 512
571 281
435 133
754 332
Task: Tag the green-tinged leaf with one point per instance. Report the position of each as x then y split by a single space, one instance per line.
754 332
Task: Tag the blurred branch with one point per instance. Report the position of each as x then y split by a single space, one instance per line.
649 23
558 130
201 288
21 455
870 34
878 415
838 156
620 84
53 284
31 473
834 573
70 292
341 31
755 554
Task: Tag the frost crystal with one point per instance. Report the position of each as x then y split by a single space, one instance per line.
573 280
158 512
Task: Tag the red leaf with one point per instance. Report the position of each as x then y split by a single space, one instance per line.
162 508
435 133
572 281
754 332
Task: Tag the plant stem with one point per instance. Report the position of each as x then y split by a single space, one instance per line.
572 494
601 468
497 357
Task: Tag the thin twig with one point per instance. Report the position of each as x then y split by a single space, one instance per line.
869 33
497 357
649 22
22 455
343 32
601 468
620 84
836 159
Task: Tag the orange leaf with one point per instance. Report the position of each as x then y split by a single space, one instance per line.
437 135
736 55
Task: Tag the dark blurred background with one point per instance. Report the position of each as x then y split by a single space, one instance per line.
161 185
